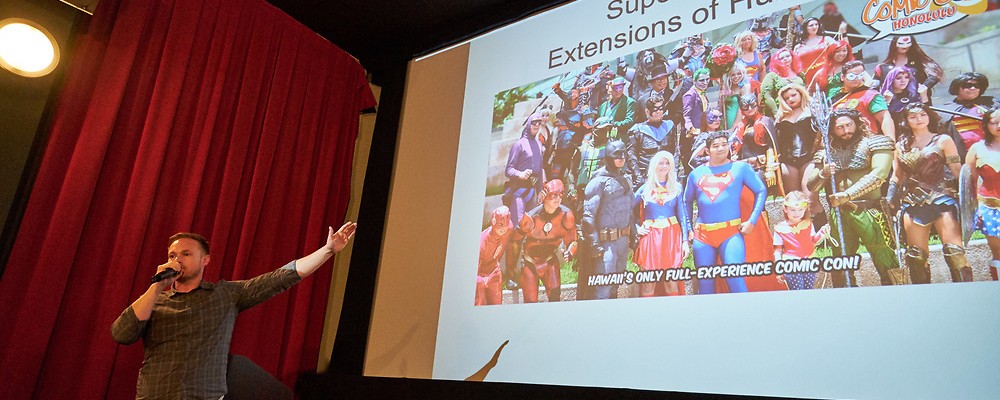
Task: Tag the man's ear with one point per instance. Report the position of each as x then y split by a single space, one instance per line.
205 260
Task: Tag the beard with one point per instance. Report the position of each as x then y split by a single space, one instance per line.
837 141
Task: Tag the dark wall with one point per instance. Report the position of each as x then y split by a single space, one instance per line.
23 103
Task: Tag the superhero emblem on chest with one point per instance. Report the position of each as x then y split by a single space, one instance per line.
845 102
547 228
988 158
909 157
921 155
714 185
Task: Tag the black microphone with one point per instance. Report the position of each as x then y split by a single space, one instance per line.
165 274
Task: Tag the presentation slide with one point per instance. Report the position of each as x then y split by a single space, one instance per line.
767 197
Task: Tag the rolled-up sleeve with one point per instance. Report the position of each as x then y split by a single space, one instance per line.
255 291
127 329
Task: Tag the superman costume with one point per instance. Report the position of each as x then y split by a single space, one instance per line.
716 191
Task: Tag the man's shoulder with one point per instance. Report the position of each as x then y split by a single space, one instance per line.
641 127
742 167
701 170
876 142
598 178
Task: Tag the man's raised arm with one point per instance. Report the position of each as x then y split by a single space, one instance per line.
335 241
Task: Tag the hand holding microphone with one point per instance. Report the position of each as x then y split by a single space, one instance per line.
168 271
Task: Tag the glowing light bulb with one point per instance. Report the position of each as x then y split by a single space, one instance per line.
26 49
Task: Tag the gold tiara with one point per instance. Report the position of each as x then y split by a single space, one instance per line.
796 203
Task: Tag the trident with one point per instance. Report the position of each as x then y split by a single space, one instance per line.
819 106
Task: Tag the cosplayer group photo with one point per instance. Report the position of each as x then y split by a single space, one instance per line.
784 138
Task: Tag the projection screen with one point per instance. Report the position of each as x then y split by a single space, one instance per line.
583 73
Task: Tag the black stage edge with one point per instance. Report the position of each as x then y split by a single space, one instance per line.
327 386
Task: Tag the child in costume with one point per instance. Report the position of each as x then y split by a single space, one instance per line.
795 237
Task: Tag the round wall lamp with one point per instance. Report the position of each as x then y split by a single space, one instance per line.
26 48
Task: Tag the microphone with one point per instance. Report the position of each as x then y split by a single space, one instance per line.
165 274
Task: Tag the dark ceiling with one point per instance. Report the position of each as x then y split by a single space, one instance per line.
383 34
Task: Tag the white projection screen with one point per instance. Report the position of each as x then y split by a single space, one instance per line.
465 108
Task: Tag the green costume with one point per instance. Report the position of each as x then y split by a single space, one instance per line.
621 112
863 165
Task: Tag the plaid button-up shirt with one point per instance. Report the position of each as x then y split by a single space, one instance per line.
186 340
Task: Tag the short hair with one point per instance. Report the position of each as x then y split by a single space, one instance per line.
699 72
713 136
193 236
851 65
982 82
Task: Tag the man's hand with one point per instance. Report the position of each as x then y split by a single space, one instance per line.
570 251
838 199
336 241
746 228
828 171
166 283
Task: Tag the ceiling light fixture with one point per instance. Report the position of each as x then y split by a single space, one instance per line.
26 48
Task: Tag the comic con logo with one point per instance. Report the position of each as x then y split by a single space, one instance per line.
907 17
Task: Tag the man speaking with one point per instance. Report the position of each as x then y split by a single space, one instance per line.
187 324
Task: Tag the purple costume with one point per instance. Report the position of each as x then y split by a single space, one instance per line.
526 153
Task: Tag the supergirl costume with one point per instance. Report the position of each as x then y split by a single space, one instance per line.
663 214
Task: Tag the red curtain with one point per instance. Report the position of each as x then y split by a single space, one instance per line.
223 117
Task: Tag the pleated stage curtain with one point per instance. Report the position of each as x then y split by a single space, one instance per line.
222 117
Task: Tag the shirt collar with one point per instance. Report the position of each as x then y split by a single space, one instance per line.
203 285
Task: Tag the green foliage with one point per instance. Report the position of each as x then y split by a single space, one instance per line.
503 105
567 274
